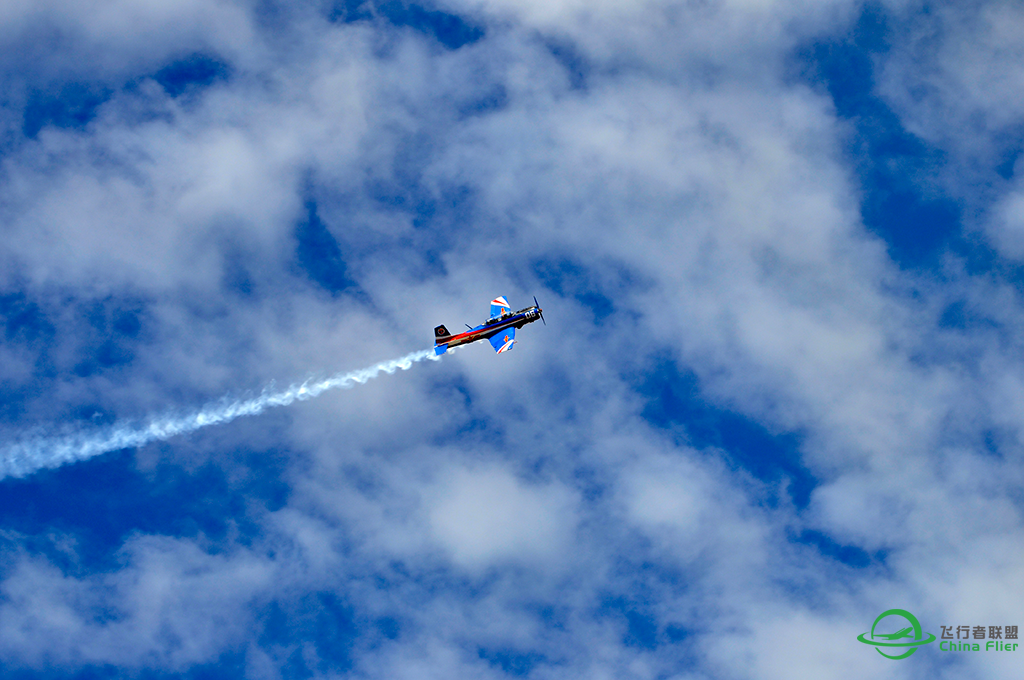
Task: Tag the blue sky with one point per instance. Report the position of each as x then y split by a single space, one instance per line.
779 246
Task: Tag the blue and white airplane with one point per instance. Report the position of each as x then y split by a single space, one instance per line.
500 329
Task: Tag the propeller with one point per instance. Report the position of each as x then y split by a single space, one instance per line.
539 310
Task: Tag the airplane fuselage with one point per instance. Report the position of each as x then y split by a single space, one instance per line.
490 328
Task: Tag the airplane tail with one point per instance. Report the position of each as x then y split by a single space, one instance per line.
440 334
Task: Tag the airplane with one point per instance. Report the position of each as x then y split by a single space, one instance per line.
500 328
906 632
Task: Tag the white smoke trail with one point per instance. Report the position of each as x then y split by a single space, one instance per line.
23 458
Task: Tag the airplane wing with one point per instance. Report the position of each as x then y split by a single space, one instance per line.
502 342
499 305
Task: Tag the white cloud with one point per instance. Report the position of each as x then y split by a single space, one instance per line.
690 181
171 606
100 40
486 517
954 73
953 78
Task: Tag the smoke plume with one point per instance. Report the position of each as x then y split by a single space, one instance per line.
25 457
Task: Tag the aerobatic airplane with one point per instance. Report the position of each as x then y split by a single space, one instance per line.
500 329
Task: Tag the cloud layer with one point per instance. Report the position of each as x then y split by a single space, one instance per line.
753 422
